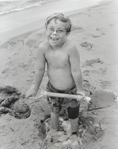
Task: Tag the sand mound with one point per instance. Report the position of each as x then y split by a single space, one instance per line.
21 110
11 101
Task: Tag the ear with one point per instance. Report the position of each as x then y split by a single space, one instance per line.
68 33
45 27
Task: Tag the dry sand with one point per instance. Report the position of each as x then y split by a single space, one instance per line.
95 34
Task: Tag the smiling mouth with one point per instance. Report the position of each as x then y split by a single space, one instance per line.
54 39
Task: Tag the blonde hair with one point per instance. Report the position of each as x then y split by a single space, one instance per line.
61 17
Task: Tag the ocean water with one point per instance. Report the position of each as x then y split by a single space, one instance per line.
7 6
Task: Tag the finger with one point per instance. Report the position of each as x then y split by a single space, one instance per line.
28 96
81 93
80 99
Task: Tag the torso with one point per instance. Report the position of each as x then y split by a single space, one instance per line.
58 68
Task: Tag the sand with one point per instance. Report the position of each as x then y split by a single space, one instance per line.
95 35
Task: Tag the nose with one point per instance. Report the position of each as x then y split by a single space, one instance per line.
54 32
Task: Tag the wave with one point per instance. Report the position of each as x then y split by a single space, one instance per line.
12 8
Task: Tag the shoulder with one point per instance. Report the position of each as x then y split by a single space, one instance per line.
71 48
43 46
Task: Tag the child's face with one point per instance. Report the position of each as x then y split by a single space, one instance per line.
56 33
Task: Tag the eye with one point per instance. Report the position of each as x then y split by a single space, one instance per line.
60 31
50 29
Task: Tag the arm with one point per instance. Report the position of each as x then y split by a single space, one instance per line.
75 68
40 68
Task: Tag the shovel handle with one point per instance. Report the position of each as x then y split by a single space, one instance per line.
51 94
69 96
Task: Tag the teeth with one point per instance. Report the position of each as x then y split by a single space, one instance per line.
54 39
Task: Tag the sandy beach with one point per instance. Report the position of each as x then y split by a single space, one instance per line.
95 35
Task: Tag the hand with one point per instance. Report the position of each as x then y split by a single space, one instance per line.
31 92
81 95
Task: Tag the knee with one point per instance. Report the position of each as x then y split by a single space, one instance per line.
73 104
73 113
55 110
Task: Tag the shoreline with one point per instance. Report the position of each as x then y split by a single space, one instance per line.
17 9
37 22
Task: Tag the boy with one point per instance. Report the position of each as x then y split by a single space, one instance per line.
63 69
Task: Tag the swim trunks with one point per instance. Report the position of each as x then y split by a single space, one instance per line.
60 105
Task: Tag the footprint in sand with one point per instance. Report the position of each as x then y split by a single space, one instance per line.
76 27
95 36
111 24
101 31
21 41
98 29
30 42
12 43
6 70
87 45
93 61
23 65
103 70
86 72
104 84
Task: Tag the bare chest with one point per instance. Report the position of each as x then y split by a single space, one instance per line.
57 59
